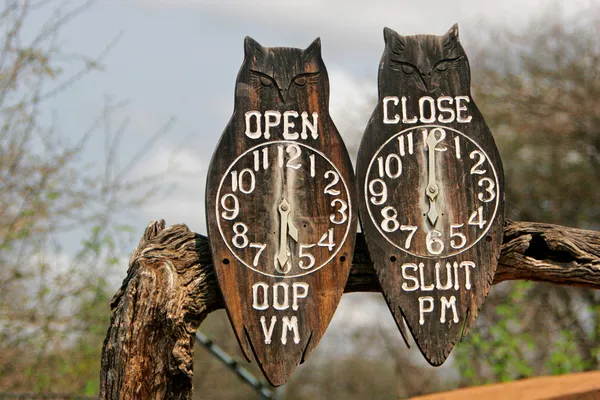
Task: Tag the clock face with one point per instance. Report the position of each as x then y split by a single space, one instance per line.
284 231
456 205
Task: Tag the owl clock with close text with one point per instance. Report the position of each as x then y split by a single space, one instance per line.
281 207
430 187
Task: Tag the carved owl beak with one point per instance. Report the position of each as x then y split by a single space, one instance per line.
283 94
426 80
429 86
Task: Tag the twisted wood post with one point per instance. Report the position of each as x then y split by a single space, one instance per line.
171 287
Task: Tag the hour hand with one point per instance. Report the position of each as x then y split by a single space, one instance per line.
432 214
284 212
286 227
292 231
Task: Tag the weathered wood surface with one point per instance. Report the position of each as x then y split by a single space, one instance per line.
280 207
430 191
171 287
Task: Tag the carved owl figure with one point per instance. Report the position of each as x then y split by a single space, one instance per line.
280 205
430 185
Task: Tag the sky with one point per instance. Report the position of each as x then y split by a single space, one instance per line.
179 59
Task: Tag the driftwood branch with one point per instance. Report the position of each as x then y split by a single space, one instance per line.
171 287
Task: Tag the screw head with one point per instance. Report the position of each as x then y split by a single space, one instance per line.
431 189
284 207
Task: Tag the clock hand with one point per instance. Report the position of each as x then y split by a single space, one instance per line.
432 190
284 223
292 230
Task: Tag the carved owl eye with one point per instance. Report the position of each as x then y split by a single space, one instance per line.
265 81
442 66
300 80
407 69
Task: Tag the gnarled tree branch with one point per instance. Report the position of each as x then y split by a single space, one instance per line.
171 287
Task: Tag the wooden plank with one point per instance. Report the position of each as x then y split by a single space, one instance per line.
280 205
577 386
431 191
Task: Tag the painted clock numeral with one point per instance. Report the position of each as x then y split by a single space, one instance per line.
327 240
311 258
294 151
335 178
261 247
340 216
490 185
239 233
378 196
476 169
411 232
455 234
390 219
245 181
257 159
409 144
391 167
230 212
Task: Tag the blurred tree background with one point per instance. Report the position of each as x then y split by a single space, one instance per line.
539 90
54 303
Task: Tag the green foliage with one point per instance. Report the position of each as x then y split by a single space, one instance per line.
497 352
564 357
66 358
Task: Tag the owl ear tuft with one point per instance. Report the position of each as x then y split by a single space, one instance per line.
314 49
392 38
251 46
451 37
388 35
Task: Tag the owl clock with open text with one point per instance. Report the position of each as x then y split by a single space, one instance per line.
281 207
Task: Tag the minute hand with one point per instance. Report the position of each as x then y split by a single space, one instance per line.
284 212
432 190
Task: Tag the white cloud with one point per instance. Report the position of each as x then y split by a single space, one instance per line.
353 21
185 179
141 120
351 103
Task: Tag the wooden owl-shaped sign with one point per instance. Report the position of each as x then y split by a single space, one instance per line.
280 206
430 191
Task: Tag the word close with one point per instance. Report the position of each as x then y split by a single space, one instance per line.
444 109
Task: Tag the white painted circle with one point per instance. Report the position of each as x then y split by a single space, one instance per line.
350 208
384 234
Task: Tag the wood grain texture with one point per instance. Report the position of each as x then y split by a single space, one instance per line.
171 287
280 206
431 194
550 253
